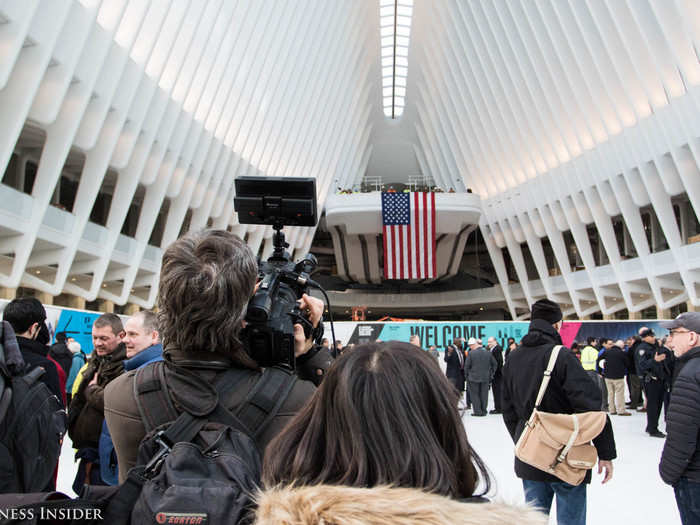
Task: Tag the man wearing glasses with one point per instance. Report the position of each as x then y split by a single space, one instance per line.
680 460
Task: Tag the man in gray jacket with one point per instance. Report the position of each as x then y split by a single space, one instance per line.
480 366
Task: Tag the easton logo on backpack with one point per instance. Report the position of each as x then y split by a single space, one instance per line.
181 518
32 422
197 469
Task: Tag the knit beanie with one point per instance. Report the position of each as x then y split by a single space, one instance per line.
546 310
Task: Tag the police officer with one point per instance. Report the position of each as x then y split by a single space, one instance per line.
656 367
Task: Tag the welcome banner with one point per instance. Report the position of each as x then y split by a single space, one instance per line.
441 334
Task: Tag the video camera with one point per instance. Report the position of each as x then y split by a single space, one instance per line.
273 311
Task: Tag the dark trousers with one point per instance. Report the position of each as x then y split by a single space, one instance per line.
480 397
688 500
657 396
458 383
635 388
496 387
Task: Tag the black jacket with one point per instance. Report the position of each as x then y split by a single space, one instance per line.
63 356
650 369
455 369
636 357
681 455
570 390
34 354
617 362
497 353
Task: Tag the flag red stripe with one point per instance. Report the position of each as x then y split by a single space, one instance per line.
409 247
393 251
386 261
415 232
432 233
400 252
425 234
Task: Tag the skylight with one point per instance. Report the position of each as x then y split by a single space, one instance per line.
395 32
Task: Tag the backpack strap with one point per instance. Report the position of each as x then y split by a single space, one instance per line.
254 415
152 398
265 399
547 375
186 426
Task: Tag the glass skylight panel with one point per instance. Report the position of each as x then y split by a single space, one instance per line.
395 31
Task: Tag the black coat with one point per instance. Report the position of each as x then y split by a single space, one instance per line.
662 370
617 362
681 454
34 354
455 369
570 391
497 353
62 355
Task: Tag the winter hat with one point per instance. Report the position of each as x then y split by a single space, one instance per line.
688 320
547 311
74 347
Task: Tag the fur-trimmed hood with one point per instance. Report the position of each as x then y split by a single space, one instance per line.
337 505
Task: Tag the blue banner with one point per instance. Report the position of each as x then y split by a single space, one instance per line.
78 325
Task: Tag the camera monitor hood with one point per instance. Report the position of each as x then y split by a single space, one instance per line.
288 201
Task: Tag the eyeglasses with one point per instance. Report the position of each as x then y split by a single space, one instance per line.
676 332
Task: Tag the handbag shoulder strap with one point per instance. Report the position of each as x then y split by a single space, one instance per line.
547 375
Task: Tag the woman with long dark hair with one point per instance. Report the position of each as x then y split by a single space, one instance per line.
385 422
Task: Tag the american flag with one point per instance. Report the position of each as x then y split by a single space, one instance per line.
409 235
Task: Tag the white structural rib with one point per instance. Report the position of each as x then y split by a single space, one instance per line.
577 122
567 116
168 101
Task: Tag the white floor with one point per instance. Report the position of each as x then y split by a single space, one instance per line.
636 494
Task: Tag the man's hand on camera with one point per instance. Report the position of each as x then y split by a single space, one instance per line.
313 310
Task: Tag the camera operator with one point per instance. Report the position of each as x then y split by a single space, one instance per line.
206 281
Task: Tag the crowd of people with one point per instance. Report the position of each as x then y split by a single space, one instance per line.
640 373
395 188
633 374
316 438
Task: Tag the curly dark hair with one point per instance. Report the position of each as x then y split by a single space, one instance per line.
384 415
206 280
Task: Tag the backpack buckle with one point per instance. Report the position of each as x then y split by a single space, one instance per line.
164 449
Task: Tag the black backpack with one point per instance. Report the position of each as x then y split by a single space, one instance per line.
197 468
32 423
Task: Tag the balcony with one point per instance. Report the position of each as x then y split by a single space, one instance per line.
355 224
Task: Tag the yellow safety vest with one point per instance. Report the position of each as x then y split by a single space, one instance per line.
78 380
589 355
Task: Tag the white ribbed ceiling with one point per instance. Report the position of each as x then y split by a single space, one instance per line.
563 115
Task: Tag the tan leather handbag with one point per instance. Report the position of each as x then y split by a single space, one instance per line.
560 444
